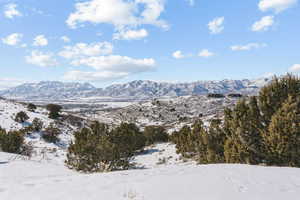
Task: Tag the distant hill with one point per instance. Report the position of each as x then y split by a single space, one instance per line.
140 89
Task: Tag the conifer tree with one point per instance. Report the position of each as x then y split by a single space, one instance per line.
282 138
54 111
97 148
272 96
128 137
216 140
263 129
199 141
155 134
245 136
92 150
183 144
11 142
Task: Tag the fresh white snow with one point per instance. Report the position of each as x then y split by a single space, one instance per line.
41 149
174 180
9 109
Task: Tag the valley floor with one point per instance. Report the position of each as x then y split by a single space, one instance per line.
155 180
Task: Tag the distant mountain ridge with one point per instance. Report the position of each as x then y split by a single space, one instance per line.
140 89
48 90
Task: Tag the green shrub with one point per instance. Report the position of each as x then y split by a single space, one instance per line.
31 107
282 137
11 142
51 134
258 130
202 144
185 141
54 111
37 124
21 117
215 95
128 137
155 134
99 149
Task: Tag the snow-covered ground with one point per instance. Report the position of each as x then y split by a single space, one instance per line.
172 180
160 174
41 149
9 109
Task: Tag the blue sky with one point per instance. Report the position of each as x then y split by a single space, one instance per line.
113 41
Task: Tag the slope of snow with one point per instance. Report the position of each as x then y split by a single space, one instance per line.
173 179
9 109
171 113
157 156
42 150
39 180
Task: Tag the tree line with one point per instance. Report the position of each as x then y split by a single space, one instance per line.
264 129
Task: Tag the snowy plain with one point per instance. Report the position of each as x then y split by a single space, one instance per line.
32 180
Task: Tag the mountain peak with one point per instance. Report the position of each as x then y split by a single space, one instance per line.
138 89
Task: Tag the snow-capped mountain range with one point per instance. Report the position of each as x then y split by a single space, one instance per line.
140 89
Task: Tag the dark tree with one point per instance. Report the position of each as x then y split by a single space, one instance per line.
258 130
54 111
98 149
128 137
283 135
31 107
51 134
155 134
21 117
37 124
215 95
235 95
11 142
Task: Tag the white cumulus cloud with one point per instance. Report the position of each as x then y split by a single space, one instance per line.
216 25
205 53
41 59
13 39
263 24
276 5
247 47
10 11
178 55
65 39
94 76
109 67
120 13
295 68
116 63
83 49
130 34
40 40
